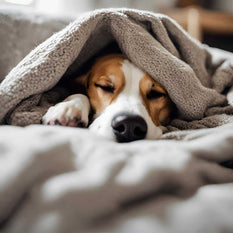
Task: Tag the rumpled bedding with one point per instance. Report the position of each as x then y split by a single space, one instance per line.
60 179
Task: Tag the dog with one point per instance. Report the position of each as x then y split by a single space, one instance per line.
127 103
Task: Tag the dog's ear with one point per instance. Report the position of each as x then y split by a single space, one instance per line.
79 84
82 80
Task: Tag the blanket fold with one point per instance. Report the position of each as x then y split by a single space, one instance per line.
194 76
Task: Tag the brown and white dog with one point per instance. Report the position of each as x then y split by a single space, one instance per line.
127 103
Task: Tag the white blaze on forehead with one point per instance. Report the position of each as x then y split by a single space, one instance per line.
128 101
130 97
133 76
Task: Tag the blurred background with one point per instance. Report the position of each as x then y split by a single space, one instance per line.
209 21
75 7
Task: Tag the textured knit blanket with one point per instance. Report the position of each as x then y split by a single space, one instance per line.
65 180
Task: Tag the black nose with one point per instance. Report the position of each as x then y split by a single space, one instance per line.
128 127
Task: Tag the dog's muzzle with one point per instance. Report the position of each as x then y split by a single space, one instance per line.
128 127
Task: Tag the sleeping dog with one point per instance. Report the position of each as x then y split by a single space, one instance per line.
127 104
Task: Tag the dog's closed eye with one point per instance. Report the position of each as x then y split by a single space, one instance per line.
106 88
153 94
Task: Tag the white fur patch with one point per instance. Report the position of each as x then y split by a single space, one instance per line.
129 100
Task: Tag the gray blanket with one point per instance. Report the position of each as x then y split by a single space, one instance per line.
20 32
61 179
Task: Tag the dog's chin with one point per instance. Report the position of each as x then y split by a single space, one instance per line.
103 128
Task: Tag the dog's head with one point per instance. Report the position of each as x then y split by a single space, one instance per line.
127 103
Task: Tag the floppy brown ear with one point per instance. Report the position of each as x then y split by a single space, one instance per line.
82 80
79 84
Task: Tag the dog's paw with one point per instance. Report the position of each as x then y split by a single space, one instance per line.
73 112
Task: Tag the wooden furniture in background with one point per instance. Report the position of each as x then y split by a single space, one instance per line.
197 20
185 3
